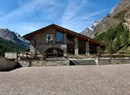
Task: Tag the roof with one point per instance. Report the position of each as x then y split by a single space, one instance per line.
70 32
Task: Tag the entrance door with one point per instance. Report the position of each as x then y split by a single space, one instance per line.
54 52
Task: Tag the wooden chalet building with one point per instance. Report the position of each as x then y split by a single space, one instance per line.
54 40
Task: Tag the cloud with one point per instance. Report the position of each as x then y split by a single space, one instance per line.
34 14
80 14
27 27
27 8
18 19
71 10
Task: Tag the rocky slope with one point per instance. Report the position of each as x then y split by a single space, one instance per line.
114 28
120 13
13 37
89 30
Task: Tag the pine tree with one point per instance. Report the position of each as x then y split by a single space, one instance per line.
117 44
110 47
125 37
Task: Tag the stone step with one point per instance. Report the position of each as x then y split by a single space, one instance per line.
82 62
54 59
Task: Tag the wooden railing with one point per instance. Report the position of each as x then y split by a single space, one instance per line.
117 55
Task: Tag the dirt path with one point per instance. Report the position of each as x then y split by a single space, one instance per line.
67 80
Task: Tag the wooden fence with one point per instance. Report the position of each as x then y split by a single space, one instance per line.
117 55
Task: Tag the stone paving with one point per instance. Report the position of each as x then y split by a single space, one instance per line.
67 80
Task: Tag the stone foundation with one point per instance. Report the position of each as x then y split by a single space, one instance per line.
44 63
113 61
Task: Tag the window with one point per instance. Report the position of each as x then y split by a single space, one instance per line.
49 37
59 36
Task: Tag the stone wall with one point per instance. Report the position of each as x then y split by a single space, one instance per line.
113 61
36 63
39 43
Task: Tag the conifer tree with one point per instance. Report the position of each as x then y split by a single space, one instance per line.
125 37
117 43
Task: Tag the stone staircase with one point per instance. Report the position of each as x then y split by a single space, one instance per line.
83 62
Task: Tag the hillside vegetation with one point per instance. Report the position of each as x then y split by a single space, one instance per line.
116 38
8 46
114 28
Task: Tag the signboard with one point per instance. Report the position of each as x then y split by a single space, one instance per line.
64 46
10 55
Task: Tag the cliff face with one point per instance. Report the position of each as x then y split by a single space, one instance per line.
119 14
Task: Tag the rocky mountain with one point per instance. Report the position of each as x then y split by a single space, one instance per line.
89 30
13 37
120 13
114 28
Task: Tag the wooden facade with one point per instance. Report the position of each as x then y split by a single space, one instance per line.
58 41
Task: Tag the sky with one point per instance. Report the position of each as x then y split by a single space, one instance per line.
25 16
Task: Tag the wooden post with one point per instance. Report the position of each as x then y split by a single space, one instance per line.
45 56
57 55
28 56
129 56
110 55
30 62
122 56
17 56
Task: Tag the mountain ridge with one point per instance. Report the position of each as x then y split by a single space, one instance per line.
113 18
13 37
114 28
11 41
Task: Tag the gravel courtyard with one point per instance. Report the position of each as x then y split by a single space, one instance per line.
67 80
